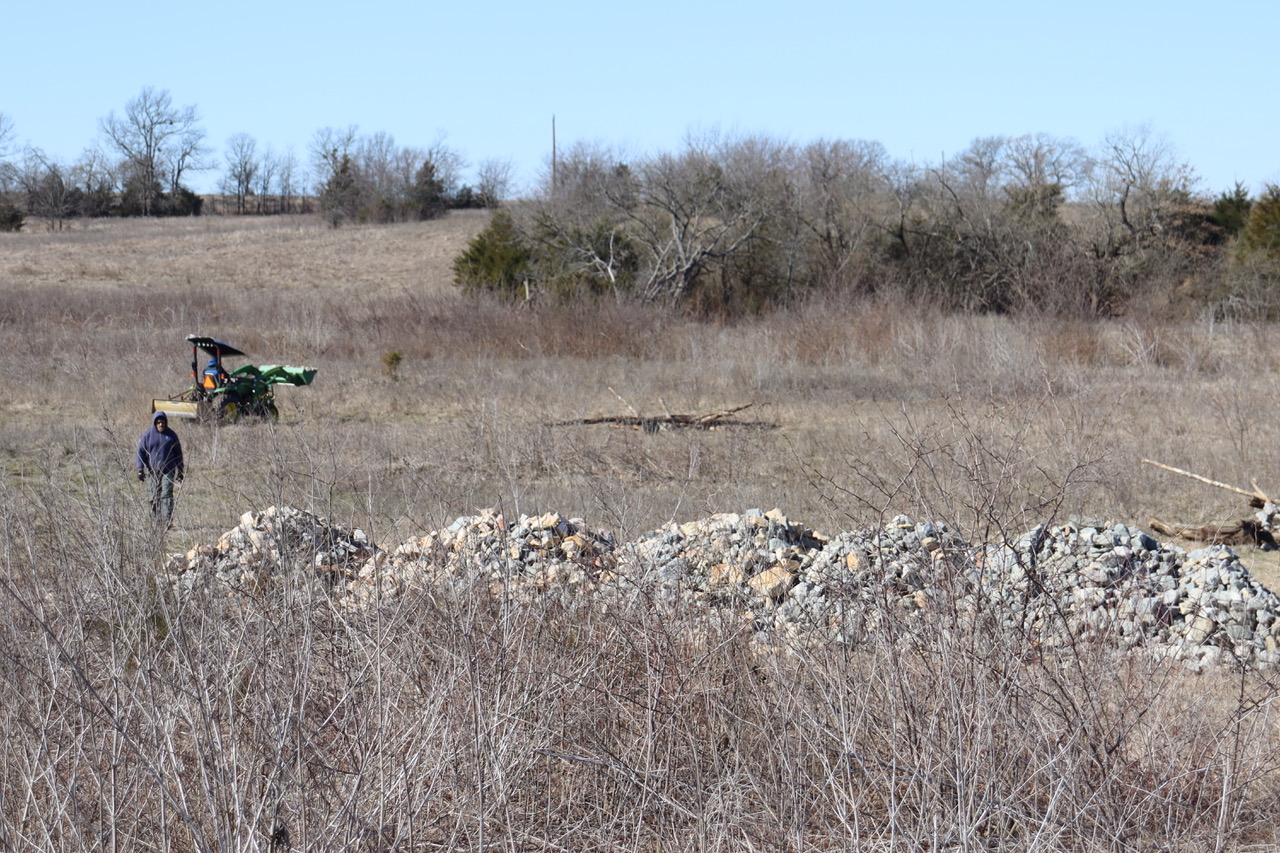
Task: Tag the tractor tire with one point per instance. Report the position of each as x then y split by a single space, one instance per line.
229 412
271 413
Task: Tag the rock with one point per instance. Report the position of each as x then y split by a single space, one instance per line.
1105 583
773 583
726 574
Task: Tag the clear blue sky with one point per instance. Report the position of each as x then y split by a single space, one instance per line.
922 77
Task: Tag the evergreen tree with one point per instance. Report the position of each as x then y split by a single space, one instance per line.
1231 210
339 198
11 219
427 196
497 260
1262 231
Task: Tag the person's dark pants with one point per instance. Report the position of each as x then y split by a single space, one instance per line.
161 486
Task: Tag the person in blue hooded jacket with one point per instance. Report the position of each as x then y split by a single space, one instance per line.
160 465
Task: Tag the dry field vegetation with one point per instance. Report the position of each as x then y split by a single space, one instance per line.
131 721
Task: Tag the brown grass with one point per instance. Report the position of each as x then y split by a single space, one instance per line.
450 725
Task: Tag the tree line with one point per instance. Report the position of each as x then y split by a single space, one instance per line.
727 226
145 156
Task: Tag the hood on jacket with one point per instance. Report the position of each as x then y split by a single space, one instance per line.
158 417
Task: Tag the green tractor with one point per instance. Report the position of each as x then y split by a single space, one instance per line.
216 395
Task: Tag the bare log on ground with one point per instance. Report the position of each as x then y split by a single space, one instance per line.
1247 531
653 423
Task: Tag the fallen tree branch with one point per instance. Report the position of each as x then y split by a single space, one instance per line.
1256 495
630 407
653 423
1244 532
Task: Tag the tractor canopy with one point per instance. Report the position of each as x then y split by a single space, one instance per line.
213 346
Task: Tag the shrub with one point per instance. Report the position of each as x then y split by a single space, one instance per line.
1262 231
11 219
497 260
391 360
584 261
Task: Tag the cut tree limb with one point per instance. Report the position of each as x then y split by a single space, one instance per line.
1257 498
653 423
1247 531
1244 532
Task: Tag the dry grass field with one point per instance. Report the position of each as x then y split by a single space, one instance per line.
1054 418
140 733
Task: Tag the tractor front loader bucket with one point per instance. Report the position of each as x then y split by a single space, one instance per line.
177 408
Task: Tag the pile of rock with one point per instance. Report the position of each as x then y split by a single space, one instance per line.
1050 588
536 554
1090 580
270 544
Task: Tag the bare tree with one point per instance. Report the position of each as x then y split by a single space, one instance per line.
448 165
98 179
157 140
725 216
48 187
1132 184
334 169
328 149
405 163
762 171
371 178
6 133
984 232
690 215
979 170
493 181
376 155
1038 160
287 164
841 192
242 165
7 170
188 156
265 186
589 179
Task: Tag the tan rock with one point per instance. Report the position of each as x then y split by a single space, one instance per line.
574 546
1201 628
773 582
548 577
726 574
856 561
691 529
